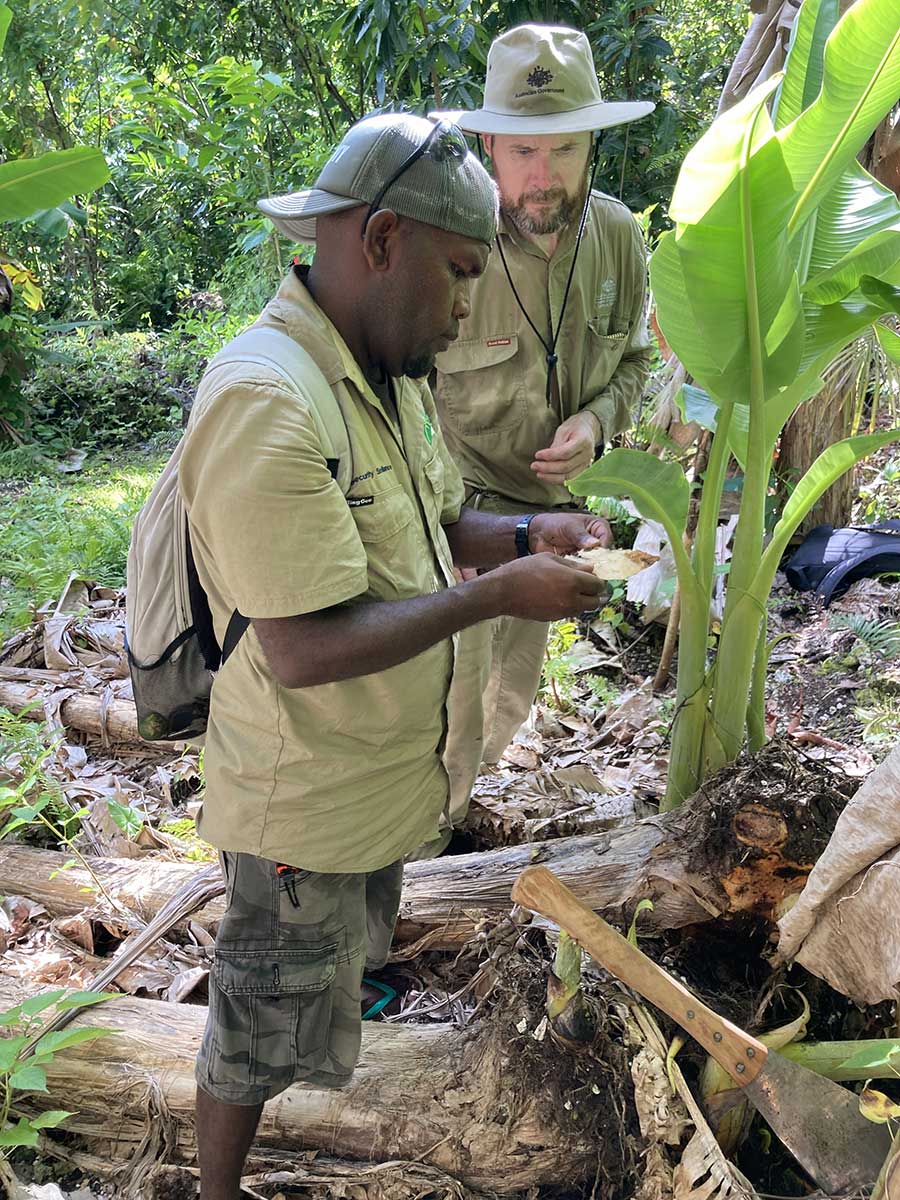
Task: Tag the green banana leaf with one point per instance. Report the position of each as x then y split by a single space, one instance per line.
659 489
727 293
857 233
670 284
5 19
861 82
31 184
697 405
826 470
889 342
855 236
805 63
832 326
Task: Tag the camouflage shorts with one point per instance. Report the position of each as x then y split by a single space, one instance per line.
284 991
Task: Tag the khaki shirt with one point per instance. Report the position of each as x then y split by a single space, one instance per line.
491 383
345 776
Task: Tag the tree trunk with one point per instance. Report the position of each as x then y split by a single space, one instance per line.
744 846
433 1093
84 711
813 428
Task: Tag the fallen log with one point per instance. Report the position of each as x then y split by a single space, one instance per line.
451 1098
85 711
745 845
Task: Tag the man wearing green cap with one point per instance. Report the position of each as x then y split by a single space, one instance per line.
552 359
327 725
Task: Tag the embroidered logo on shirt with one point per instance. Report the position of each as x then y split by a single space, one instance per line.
429 430
370 474
498 342
606 297
360 501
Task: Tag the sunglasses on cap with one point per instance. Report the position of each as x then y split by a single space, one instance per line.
445 141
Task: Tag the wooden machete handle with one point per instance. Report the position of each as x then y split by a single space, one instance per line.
741 1055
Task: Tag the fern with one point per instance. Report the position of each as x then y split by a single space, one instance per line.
880 721
609 507
880 637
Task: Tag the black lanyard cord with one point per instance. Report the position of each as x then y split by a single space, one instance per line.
550 351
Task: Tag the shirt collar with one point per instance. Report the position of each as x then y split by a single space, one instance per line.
308 324
305 322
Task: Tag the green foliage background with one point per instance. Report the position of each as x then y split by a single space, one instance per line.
202 108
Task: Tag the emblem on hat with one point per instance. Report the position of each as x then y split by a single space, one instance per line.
539 77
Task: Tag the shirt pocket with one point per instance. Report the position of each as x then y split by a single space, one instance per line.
434 482
481 385
381 515
389 526
605 351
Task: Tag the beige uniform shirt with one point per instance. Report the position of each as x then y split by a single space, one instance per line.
491 382
345 776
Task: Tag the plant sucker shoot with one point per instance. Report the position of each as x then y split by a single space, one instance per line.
784 250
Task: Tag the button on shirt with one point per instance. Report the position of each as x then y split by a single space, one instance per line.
491 383
345 776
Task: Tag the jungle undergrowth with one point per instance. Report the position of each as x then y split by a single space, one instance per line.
53 525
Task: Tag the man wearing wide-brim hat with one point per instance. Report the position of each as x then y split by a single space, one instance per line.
551 361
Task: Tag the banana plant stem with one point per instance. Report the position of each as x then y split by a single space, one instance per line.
756 710
685 761
740 626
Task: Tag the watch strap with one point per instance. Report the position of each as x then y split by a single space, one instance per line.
522 547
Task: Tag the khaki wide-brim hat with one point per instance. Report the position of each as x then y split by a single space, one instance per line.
541 79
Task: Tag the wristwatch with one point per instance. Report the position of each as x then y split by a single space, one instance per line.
522 547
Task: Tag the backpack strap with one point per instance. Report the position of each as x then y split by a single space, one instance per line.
274 349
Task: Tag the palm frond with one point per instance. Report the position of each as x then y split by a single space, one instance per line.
881 720
881 637
863 382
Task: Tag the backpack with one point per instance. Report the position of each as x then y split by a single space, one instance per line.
171 646
829 560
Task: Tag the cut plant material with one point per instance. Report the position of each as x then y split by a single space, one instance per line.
617 564
817 1120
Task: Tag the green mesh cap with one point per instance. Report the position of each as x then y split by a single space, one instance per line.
384 161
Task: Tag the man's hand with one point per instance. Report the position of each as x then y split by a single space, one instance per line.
566 533
544 588
571 450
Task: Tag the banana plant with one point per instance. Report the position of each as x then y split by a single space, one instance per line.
29 185
784 250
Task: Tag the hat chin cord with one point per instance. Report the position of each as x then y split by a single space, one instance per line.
550 349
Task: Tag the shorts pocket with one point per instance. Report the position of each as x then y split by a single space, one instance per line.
273 1013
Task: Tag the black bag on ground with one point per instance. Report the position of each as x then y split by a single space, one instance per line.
829 560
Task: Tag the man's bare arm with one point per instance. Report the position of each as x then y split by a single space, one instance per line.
362 638
480 539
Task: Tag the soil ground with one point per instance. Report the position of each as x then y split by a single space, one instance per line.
592 756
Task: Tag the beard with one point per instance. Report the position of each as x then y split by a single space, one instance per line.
418 367
565 208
